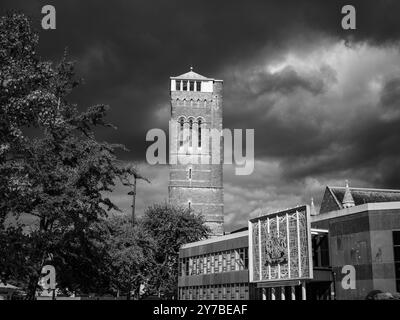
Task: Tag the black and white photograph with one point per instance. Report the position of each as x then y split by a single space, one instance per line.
209 152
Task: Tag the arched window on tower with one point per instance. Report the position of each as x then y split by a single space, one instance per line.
199 133
190 132
181 125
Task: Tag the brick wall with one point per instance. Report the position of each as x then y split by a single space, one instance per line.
204 189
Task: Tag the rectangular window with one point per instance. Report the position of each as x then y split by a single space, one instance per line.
187 266
191 84
178 85
223 292
184 85
198 86
240 261
228 260
223 262
200 265
246 258
396 249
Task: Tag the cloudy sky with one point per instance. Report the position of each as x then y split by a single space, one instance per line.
324 102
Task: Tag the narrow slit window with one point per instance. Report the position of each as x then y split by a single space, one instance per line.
190 173
181 124
199 131
190 132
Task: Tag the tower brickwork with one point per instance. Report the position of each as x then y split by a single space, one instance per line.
196 105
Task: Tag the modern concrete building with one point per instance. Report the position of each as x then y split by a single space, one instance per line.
218 269
355 251
364 239
195 180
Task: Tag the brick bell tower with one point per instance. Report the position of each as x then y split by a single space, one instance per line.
196 105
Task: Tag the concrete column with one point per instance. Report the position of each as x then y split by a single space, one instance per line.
293 292
283 293
273 294
264 293
303 291
332 287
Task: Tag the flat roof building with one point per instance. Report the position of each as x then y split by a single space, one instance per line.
355 249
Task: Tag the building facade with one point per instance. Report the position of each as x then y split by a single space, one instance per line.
355 243
218 269
195 173
215 269
364 239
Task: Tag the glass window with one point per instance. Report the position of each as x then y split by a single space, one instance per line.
229 291
201 268
396 249
178 85
228 260
184 85
233 260
224 262
223 292
246 258
191 86
198 86
396 238
216 266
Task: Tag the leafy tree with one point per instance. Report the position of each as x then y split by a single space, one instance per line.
170 227
131 253
58 175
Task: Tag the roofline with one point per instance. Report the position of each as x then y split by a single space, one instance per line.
216 239
366 189
264 215
372 206
340 205
194 79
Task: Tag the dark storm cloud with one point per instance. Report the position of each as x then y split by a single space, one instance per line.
126 50
316 121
